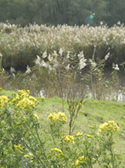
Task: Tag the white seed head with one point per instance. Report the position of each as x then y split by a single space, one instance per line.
61 51
93 63
107 56
38 60
28 70
43 64
81 55
118 23
115 67
12 70
1 55
50 58
101 23
44 54
68 67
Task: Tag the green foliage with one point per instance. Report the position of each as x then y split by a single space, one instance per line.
3 74
25 142
18 125
74 106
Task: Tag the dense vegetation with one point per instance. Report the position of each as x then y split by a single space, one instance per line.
68 62
56 59
54 12
35 133
21 46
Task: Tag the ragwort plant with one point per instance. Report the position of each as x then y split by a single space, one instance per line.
22 143
94 148
19 131
106 144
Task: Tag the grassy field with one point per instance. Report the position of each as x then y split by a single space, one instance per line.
93 113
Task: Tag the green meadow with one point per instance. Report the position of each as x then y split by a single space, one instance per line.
94 112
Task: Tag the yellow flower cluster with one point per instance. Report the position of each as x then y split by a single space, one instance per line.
53 116
109 126
23 100
30 155
69 138
89 136
58 116
81 159
26 156
15 99
36 116
32 98
62 117
3 100
79 134
17 147
23 93
56 150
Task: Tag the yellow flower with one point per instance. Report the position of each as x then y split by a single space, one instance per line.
93 159
61 114
103 126
89 136
15 99
91 126
81 157
15 146
53 116
3 100
111 122
26 156
63 117
69 138
28 91
32 98
36 116
56 150
23 93
77 162
109 126
31 154
79 134
18 147
25 102
116 126
80 160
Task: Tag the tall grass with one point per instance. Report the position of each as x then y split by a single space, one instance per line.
20 46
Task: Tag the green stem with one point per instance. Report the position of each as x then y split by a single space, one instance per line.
39 160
